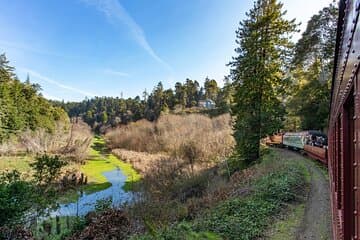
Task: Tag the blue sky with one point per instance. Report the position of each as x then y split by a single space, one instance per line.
84 48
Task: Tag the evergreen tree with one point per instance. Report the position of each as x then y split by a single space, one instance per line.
258 72
225 96
211 89
180 94
308 108
22 106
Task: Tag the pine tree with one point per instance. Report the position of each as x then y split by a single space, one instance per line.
258 73
211 89
308 106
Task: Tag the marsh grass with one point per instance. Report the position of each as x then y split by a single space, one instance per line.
101 161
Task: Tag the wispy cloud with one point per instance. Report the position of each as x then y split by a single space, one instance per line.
116 73
28 48
117 14
38 76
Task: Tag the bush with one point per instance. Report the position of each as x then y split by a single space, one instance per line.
179 232
194 138
47 168
103 204
247 218
111 224
70 140
15 197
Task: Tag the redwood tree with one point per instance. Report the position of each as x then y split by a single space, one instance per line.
259 75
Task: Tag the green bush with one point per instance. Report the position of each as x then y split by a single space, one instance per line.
179 232
103 204
248 218
47 168
15 197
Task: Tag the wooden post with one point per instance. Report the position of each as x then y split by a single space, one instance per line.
58 225
81 179
67 222
47 227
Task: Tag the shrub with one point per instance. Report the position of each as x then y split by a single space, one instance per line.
138 136
15 197
103 204
247 218
141 161
194 139
180 232
70 140
111 224
47 168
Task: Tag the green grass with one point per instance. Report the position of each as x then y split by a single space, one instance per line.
286 227
248 218
73 221
20 163
101 161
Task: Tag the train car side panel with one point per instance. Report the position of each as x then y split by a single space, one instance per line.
316 153
294 140
344 125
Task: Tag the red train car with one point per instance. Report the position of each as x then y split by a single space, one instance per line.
316 153
344 125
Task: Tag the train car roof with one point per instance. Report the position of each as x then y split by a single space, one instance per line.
311 132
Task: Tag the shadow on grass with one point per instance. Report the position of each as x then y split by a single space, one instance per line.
100 146
72 195
131 185
96 187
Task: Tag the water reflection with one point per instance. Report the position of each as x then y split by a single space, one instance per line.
86 202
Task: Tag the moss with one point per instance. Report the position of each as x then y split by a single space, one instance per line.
100 161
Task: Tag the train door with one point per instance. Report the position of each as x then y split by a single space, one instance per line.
349 167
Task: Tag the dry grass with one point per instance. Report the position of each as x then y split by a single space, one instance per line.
176 156
195 139
70 140
138 136
141 161
78 142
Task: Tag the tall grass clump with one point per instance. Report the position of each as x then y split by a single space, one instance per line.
70 139
177 156
193 139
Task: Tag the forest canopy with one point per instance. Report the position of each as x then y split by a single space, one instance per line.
22 106
111 111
